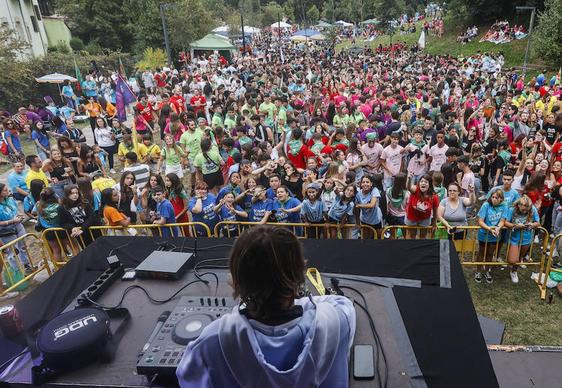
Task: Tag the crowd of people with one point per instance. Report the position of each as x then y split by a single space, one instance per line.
500 32
401 138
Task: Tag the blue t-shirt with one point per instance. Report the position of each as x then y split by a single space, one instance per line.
281 216
166 210
16 180
29 203
508 196
226 215
313 212
340 208
228 189
208 215
97 201
369 216
523 236
67 91
492 216
8 209
259 208
15 140
41 138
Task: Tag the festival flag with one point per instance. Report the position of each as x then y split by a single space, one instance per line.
282 56
123 97
122 69
421 41
558 76
78 75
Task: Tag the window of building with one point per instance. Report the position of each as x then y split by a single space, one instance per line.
37 12
34 23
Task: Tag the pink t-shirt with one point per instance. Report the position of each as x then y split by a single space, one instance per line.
373 156
393 158
438 157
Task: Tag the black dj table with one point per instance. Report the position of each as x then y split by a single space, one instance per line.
439 316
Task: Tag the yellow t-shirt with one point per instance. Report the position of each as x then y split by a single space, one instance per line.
142 151
153 151
103 183
32 175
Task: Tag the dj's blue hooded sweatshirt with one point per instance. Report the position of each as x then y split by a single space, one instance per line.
309 351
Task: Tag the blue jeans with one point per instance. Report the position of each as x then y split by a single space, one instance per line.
9 253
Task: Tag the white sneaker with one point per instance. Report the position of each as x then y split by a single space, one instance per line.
514 277
9 295
112 171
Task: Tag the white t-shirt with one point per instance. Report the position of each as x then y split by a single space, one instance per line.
393 158
438 157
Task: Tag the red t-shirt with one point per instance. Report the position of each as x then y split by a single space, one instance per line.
160 80
146 111
299 160
557 150
198 99
178 102
418 208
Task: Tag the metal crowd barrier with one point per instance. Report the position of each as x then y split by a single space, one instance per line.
301 230
185 229
470 248
544 273
67 245
12 265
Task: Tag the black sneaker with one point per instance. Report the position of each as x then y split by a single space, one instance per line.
29 269
478 277
488 277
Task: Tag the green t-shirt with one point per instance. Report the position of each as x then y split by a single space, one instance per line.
191 141
209 164
171 156
230 122
268 108
216 121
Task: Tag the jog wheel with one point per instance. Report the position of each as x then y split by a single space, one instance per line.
190 327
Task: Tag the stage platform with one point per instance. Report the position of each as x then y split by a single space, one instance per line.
439 321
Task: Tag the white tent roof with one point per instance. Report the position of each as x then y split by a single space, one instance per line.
247 29
281 25
343 23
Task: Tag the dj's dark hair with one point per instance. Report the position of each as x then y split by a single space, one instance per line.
267 267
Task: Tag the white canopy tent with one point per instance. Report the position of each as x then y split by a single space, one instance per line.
282 25
343 23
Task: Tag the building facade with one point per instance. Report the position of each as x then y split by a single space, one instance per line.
25 18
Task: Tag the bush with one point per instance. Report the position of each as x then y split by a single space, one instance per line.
152 59
93 48
76 44
61 47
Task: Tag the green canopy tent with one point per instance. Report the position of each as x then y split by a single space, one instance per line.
211 42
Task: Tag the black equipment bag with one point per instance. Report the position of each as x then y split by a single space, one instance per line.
76 338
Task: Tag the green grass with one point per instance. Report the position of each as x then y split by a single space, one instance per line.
514 52
528 320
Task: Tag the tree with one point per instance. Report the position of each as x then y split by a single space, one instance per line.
145 24
548 35
188 21
270 13
152 59
13 85
313 14
389 9
102 20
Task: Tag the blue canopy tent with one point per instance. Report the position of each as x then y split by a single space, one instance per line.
307 32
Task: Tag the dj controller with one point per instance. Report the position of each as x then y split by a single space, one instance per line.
164 349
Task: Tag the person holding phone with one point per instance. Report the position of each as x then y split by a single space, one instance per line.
267 269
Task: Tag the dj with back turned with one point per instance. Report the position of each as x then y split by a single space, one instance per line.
273 338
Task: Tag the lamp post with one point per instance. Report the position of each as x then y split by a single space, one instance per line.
531 23
164 7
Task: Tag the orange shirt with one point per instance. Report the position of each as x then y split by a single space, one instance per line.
93 109
112 216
